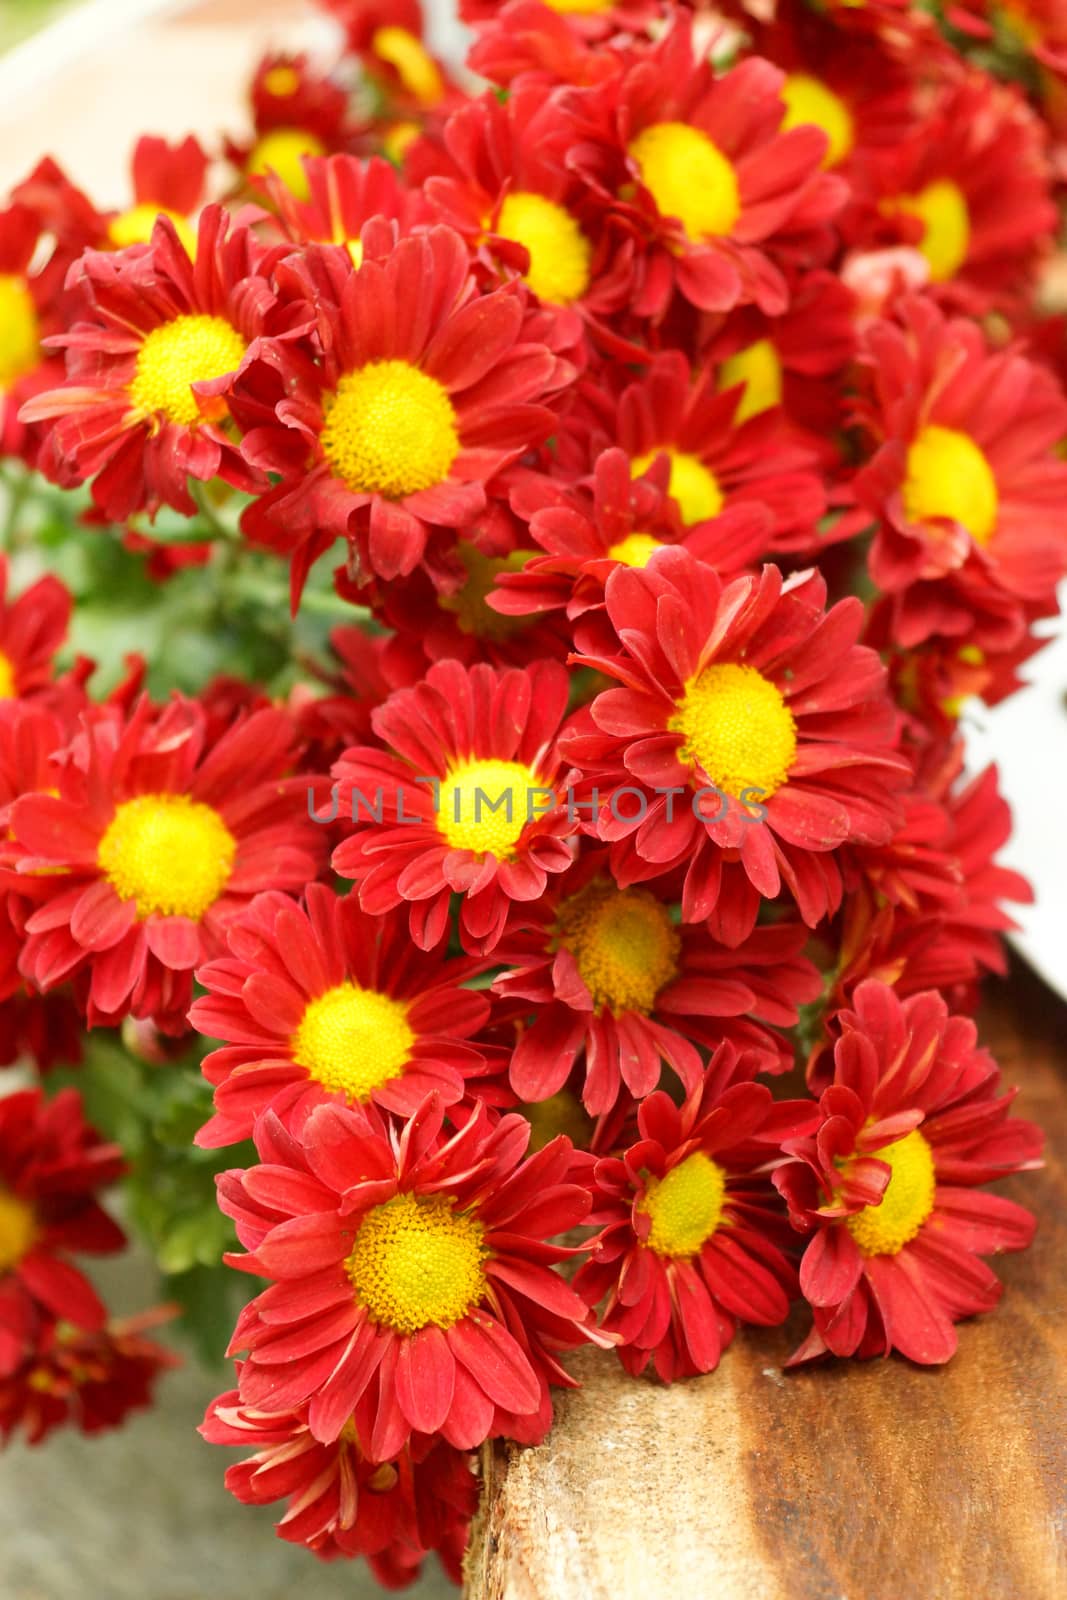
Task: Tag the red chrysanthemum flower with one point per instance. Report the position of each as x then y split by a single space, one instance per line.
425 390
970 189
606 971
339 1503
693 1232
297 111
684 432
528 40
32 629
413 1284
501 182
388 38
89 1380
887 1186
51 1165
337 1001
166 180
144 406
343 195
751 735
151 846
698 171
967 482
464 799
581 532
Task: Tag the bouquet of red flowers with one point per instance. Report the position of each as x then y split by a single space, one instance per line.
480 768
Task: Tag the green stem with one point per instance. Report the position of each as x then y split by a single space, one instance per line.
216 526
18 489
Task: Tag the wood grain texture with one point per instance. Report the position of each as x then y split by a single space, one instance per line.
860 1481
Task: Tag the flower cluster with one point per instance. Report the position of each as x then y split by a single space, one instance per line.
674 425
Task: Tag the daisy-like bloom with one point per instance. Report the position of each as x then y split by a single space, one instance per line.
335 1000
339 1504
692 1230
342 195
753 734
151 845
502 184
684 431
606 971
580 537
388 38
465 798
970 189
166 180
967 480
144 406
697 168
529 40
51 1165
888 1185
32 629
413 1285
296 112
88 1380
426 389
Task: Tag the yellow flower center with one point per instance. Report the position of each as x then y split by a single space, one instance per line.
579 8
948 476
484 805
759 368
636 550
685 1206
390 429
135 227
170 854
19 341
559 251
415 67
623 942
737 728
281 82
942 208
468 605
417 1262
809 102
688 177
281 151
908 1200
18 1230
691 483
7 678
353 1040
187 350
397 140
562 1112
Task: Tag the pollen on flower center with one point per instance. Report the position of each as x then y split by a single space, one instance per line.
18 1229
135 227
692 484
484 805
579 8
737 728
758 366
281 151
809 102
908 1199
636 550
19 339
170 854
417 1262
7 678
390 429
179 353
353 1040
559 251
685 1205
688 177
414 66
623 942
942 208
948 476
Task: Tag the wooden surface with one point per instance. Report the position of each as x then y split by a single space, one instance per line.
861 1481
